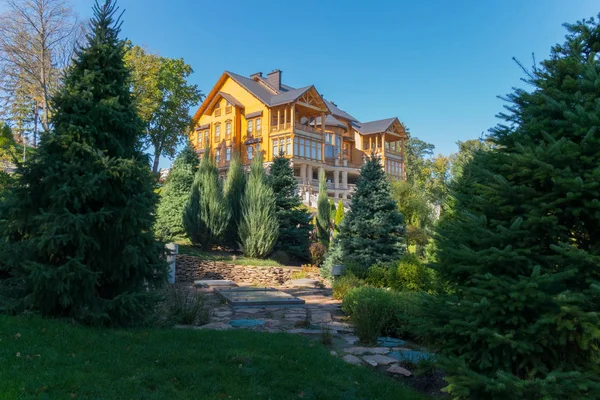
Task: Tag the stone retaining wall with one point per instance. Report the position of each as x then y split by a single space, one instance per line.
189 269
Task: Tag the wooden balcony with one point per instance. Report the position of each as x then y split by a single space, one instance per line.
307 128
281 127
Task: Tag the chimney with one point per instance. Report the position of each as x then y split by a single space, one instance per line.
256 75
274 78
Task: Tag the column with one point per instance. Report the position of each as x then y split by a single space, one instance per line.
284 117
278 118
333 146
310 174
323 123
293 110
345 179
336 178
303 173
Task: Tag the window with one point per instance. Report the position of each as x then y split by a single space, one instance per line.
288 146
275 147
314 150
206 136
199 139
258 128
228 129
301 147
228 107
217 132
295 146
319 152
250 126
217 156
228 154
249 152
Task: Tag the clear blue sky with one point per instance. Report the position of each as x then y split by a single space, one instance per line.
437 65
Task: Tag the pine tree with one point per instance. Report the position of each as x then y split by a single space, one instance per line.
323 211
520 250
174 195
259 228
294 222
206 215
373 230
235 187
79 223
339 216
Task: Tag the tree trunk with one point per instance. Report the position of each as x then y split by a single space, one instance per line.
36 115
157 152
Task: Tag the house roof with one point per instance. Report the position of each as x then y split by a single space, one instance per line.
330 120
288 96
367 128
253 114
337 112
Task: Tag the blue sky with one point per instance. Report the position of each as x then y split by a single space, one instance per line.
437 65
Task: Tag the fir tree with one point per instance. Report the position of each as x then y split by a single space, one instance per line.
206 215
235 187
294 222
520 250
373 230
79 223
323 211
174 195
259 228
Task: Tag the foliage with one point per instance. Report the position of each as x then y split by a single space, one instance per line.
323 211
417 211
206 215
59 360
373 230
259 228
344 284
163 98
466 151
317 253
235 187
408 274
370 310
294 220
174 196
520 250
334 256
79 221
187 306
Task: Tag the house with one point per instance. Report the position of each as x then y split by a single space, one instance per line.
248 115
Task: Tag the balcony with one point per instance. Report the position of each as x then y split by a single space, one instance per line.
330 186
307 128
281 127
252 138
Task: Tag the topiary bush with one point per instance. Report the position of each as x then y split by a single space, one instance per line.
344 284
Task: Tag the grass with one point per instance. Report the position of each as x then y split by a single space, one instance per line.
226 257
49 359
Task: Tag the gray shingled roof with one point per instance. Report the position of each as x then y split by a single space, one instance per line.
330 120
258 90
231 99
288 96
337 112
253 114
378 126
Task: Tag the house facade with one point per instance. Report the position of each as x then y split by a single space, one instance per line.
248 115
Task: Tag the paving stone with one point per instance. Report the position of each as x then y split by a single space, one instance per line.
307 331
357 351
246 323
248 310
390 342
350 339
217 326
398 370
304 282
222 314
379 359
350 359
320 317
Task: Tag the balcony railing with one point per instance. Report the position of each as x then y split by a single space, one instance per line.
281 127
307 128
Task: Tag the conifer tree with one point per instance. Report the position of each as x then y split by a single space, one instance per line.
259 228
79 222
174 196
294 222
373 230
206 215
323 211
520 250
235 187
339 215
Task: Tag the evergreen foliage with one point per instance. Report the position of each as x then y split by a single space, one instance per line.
521 249
294 221
259 228
206 215
373 230
79 222
323 211
174 196
235 187
339 215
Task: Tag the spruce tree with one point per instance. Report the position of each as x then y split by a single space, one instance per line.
235 187
323 211
206 215
373 230
79 222
259 228
174 195
294 221
520 251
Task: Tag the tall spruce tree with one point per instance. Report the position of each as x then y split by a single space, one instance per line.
174 195
294 222
259 228
235 187
79 222
206 215
373 230
323 211
521 249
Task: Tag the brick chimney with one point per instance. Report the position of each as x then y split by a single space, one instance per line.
274 78
256 75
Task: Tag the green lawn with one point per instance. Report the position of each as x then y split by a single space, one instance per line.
226 257
49 359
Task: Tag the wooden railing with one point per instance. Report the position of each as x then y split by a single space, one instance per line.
281 127
307 128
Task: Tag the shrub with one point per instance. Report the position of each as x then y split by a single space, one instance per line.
408 274
317 253
371 310
405 313
188 307
344 284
